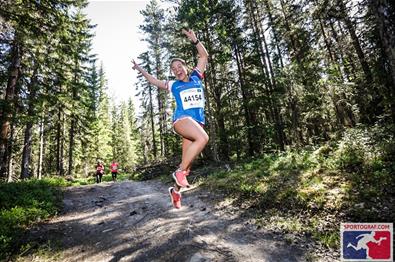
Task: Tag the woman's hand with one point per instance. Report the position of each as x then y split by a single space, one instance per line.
202 52
153 80
135 65
190 34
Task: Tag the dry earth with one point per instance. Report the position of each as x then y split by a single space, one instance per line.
134 221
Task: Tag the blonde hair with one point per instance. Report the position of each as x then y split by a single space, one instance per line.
179 60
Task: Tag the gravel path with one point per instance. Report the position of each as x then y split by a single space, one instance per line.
134 221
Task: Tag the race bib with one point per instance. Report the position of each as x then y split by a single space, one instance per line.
192 98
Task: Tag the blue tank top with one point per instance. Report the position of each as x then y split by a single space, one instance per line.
189 97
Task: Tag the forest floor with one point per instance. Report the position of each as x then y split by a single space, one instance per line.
135 221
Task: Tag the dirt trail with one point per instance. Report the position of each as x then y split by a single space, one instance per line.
134 221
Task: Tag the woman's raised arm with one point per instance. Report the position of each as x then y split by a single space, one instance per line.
203 55
150 78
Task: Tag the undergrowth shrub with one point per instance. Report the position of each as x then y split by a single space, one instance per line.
24 203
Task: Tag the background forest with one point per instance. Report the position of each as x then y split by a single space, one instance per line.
282 75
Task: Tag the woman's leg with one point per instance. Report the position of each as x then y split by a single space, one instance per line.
189 129
185 144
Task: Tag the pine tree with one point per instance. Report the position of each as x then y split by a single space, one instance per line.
148 119
79 89
153 31
123 146
103 138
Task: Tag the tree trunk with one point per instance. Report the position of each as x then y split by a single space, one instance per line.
294 45
10 170
347 64
240 70
355 42
387 39
275 103
27 150
275 33
27 145
328 46
223 139
293 102
73 120
366 102
85 156
151 109
209 84
267 71
161 123
160 98
8 108
10 158
71 144
59 144
216 91
41 152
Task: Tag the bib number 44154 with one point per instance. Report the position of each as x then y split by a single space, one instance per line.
192 98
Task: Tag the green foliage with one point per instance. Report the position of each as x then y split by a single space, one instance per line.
352 151
25 203
329 238
120 177
123 143
47 251
102 139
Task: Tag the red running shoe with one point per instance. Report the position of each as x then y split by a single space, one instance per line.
180 178
175 197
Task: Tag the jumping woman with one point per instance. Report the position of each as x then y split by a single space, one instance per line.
188 116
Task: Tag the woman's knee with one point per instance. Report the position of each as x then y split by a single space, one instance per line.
203 139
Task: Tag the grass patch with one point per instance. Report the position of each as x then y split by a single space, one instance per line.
330 238
48 251
23 204
108 178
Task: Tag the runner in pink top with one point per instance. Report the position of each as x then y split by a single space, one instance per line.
99 171
114 170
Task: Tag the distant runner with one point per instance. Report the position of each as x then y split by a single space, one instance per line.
114 170
99 171
188 116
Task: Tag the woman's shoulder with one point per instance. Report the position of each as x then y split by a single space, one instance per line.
197 73
170 84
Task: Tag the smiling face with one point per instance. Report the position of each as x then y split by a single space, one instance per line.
179 69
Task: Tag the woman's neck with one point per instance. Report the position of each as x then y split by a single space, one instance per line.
185 79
